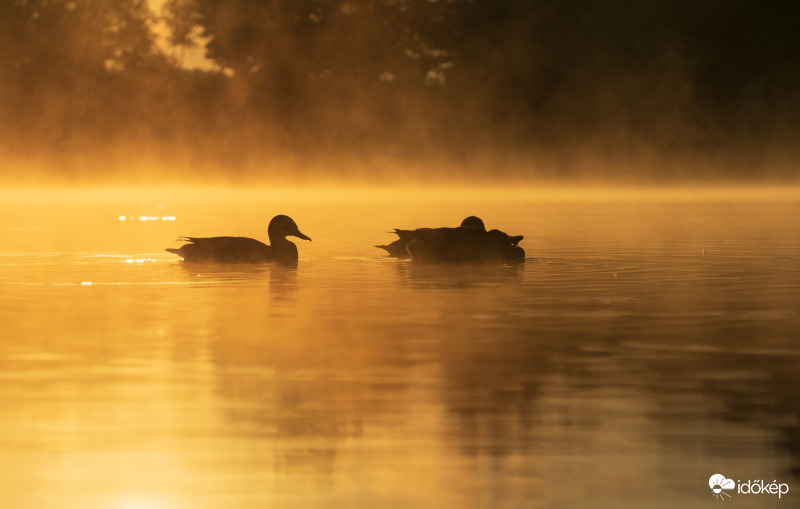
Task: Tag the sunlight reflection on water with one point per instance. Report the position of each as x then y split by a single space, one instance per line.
641 341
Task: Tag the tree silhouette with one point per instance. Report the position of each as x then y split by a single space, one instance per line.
402 78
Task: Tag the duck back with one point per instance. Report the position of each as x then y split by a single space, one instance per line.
225 250
462 245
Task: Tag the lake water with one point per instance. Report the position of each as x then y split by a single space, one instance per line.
649 342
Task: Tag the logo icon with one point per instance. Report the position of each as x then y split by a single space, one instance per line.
718 483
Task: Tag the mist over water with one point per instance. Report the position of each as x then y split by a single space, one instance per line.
642 338
285 91
647 151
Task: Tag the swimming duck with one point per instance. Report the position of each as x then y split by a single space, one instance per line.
468 243
397 249
243 249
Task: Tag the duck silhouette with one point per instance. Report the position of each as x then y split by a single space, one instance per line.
244 249
468 243
397 249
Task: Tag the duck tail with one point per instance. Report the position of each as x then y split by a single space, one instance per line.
171 250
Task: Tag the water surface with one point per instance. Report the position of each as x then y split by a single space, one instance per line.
645 345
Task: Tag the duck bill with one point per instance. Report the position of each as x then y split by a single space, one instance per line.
301 236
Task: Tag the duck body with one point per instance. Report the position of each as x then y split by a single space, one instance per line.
244 249
468 243
397 249
227 250
462 245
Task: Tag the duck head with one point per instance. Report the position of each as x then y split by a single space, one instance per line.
284 226
473 222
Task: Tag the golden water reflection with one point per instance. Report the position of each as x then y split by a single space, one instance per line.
620 354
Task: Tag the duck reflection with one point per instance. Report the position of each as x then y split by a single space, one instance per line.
225 274
283 284
458 276
281 279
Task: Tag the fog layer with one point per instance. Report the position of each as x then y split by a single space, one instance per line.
376 89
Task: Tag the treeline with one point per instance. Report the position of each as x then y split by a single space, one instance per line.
84 86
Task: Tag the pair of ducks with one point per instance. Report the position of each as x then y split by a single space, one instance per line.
468 243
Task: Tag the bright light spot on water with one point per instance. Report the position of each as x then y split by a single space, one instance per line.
139 260
151 218
122 218
86 283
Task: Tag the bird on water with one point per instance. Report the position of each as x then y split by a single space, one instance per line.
244 249
468 243
397 249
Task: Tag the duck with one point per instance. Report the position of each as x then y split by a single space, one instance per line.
468 243
397 249
244 249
